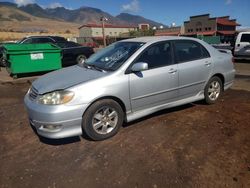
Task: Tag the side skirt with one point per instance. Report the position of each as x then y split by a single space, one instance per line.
139 114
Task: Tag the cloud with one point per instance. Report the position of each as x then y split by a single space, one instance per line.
24 2
133 6
228 2
55 5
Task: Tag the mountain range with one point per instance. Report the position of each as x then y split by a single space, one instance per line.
32 13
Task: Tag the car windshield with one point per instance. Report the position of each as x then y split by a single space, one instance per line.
113 56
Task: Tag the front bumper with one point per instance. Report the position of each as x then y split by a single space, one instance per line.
58 121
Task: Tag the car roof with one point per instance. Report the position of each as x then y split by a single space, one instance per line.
153 39
245 32
45 36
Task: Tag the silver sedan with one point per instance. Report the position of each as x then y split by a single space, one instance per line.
126 81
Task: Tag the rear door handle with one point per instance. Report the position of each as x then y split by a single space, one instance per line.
172 71
207 63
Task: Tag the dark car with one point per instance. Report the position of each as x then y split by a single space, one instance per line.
41 39
1 53
72 52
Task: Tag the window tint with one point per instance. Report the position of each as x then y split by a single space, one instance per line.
58 39
245 38
157 55
42 40
68 44
26 41
189 50
205 53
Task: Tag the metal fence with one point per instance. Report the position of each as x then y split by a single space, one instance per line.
210 39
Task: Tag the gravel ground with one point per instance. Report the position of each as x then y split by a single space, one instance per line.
194 145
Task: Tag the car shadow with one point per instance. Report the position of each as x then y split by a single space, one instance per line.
58 142
65 141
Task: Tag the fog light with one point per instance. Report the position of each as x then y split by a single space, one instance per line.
51 127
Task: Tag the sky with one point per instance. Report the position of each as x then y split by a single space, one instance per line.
163 11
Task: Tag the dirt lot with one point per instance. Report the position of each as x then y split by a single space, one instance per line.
195 145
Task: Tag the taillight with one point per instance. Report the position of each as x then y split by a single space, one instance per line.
233 60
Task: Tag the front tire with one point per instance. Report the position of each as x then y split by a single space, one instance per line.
103 119
2 62
213 90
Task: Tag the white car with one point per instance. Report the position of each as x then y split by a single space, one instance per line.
242 46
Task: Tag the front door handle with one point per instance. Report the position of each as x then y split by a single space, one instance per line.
172 71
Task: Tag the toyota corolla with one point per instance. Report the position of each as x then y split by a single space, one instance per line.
126 81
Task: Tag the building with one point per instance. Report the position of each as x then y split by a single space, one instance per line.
143 26
111 31
216 26
170 31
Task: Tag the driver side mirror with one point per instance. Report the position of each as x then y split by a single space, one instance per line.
138 67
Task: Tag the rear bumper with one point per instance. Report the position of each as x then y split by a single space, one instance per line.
59 121
229 79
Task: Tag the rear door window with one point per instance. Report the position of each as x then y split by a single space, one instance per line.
187 50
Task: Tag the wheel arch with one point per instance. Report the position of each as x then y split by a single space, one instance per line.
221 77
116 99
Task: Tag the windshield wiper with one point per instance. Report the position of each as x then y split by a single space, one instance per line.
94 67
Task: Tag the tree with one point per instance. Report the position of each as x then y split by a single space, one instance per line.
141 33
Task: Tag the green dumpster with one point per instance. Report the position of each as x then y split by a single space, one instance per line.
30 58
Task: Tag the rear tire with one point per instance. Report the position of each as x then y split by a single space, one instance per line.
213 90
80 58
102 119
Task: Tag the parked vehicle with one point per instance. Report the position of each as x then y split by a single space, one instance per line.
2 63
41 39
72 52
1 56
126 81
242 46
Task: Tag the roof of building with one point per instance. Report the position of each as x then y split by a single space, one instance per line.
143 24
106 26
225 21
226 32
201 15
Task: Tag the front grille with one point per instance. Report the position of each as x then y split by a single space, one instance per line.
33 93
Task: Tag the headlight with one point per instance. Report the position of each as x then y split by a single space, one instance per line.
56 97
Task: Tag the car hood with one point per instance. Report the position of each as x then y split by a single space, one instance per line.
65 78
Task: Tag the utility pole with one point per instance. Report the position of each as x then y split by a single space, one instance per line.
103 19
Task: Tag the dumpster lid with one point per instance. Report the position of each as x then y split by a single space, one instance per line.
31 47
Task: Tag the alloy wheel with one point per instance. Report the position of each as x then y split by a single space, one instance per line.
214 90
105 120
